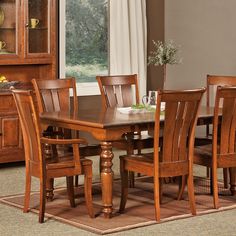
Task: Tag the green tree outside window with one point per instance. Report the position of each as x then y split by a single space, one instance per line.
86 39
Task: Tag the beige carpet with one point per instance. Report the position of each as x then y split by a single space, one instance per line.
139 210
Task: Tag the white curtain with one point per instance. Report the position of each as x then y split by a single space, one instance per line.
128 39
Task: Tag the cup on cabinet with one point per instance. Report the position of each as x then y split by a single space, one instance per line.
2 45
34 22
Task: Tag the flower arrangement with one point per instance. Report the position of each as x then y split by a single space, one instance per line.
164 53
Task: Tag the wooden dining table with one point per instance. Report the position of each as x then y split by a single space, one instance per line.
107 126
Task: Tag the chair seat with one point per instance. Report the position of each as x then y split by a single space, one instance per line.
203 155
144 158
139 163
65 162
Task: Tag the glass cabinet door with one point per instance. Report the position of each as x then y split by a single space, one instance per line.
8 27
38 26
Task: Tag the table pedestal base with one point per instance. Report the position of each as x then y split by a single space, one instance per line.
107 178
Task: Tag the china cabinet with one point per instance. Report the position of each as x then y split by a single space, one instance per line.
27 50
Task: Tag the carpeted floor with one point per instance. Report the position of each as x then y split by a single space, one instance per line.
139 210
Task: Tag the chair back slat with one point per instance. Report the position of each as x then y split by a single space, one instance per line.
110 96
127 99
226 125
48 104
118 91
168 133
181 109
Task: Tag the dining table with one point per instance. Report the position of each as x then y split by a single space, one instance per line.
108 125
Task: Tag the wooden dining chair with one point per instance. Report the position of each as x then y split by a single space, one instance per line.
60 95
36 163
221 153
175 158
123 91
212 82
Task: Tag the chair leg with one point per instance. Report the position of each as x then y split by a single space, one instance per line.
131 179
42 199
211 182
191 194
124 186
207 172
27 189
157 187
70 190
182 184
88 190
139 153
215 188
49 189
130 151
76 181
232 178
161 181
225 176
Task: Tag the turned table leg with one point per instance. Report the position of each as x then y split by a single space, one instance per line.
232 172
106 178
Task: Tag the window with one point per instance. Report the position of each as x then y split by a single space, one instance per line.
84 42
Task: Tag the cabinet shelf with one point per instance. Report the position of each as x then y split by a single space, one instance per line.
7 28
6 52
38 28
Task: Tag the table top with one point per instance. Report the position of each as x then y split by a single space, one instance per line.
109 118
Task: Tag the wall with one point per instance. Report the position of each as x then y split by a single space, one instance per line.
206 32
155 31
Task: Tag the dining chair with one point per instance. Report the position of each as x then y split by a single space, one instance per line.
177 129
221 153
212 82
60 95
43 168
123 91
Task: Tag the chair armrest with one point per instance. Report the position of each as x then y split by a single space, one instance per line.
63 141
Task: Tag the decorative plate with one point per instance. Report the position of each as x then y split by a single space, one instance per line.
1 16
131 110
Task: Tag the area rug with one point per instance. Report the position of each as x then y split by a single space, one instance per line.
139 210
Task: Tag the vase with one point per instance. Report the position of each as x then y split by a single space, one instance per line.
164 77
